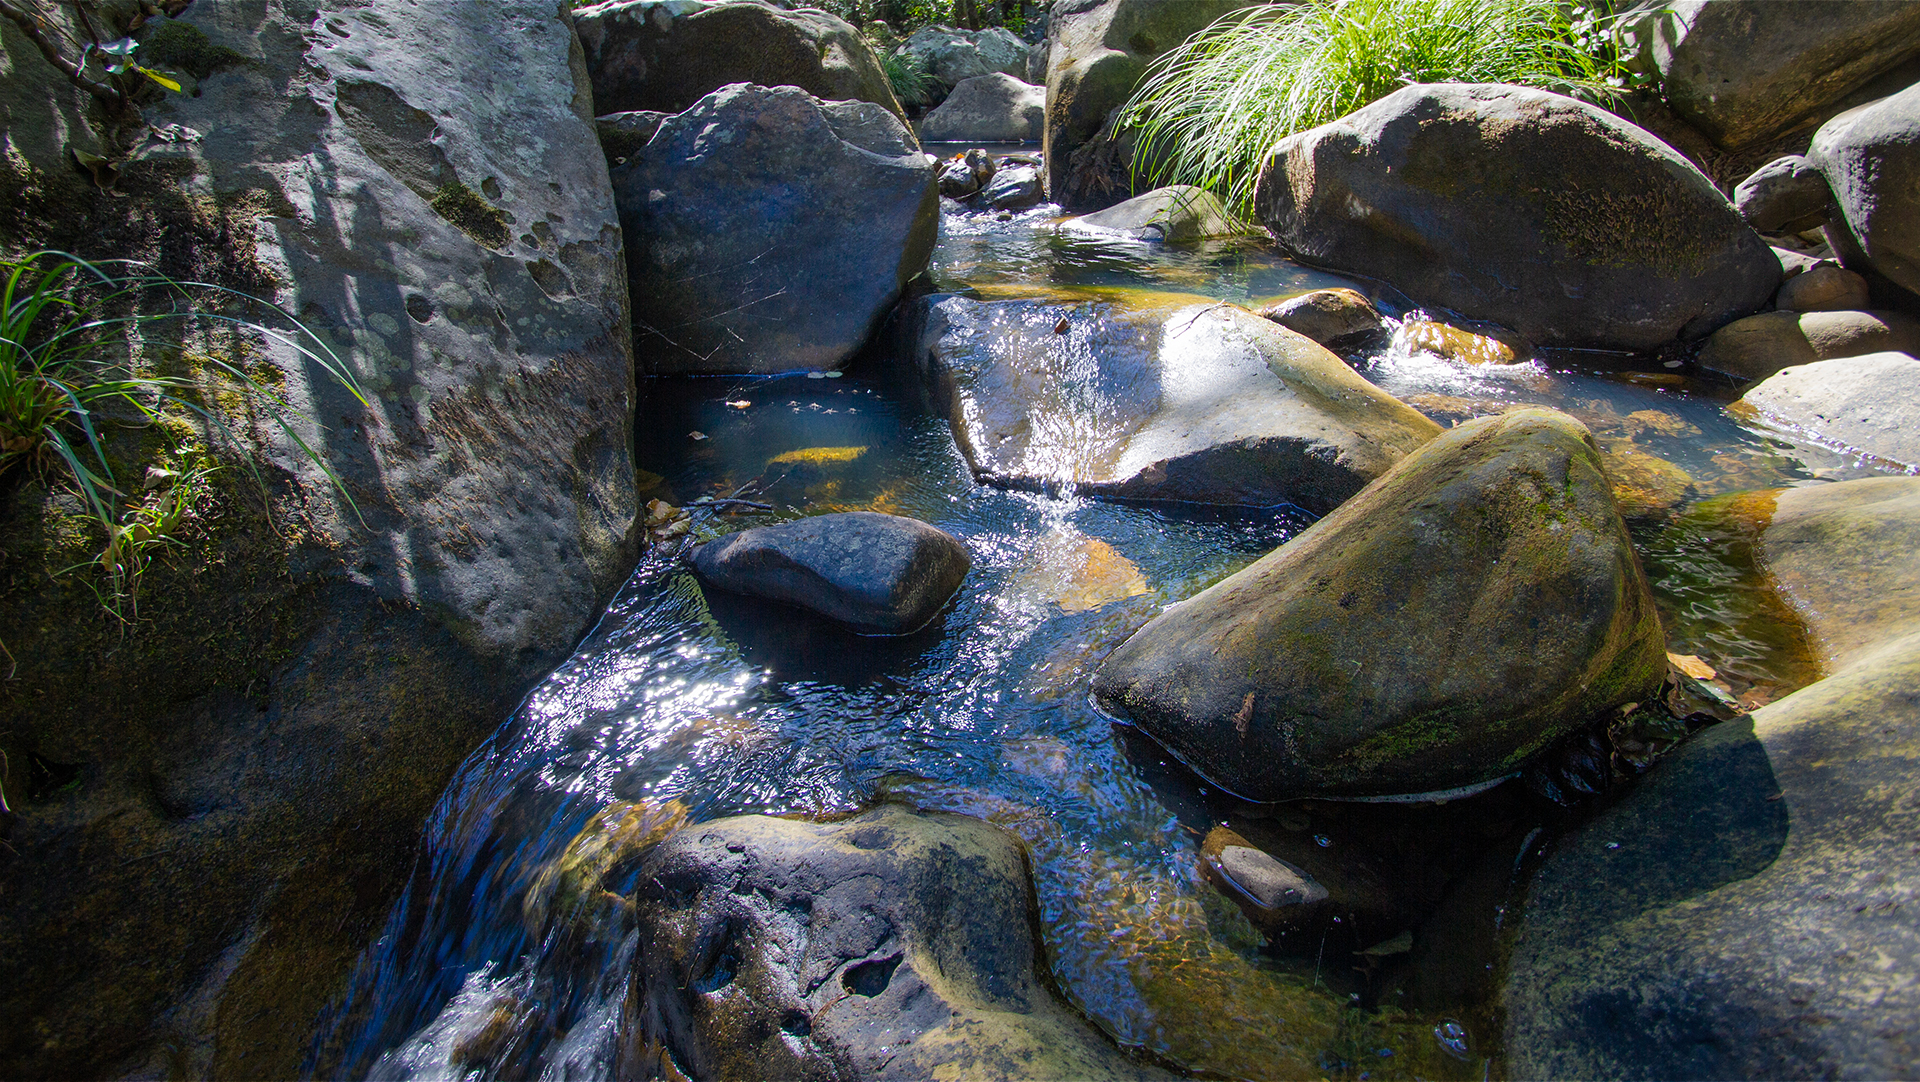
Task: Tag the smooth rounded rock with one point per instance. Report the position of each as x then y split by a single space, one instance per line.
1826 287
1478 601
878 574
1842 555
1786 195
995 108
1867 405
1870 157
1328 315
769 231
1468 197
1758 346
1268 888
894 944
1176 214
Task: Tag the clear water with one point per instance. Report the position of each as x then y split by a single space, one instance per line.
705 706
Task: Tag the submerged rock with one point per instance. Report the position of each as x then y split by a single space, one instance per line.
769 231
1270 890
895 944
988 109
1871 159
1175 214
1474 604
1747 910
1758 346
1195 403
1458 194
1328 316
665 55
1866 404
879 574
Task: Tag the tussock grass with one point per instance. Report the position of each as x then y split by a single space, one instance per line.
1210 109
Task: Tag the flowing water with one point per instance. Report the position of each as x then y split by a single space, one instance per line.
499 962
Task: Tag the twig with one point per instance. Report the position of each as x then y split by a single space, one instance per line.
713 504
36 30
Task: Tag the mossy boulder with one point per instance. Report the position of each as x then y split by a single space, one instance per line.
1523 207
894 944
1475 603
664 55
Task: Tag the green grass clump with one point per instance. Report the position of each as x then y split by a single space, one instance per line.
909 77
1210 109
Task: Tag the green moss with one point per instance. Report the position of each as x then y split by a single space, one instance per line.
473 215
178 46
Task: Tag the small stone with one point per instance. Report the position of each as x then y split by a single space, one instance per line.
1328 316
1825 287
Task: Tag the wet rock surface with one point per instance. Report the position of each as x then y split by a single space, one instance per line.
665 55
1268 888
1193 403
1865 404
1175 214
1741 70
1870 157
1758 346
1466 609
994 108
1453 194
1841 555
769 231
1328 316
892 944
879 574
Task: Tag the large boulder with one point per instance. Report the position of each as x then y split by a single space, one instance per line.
895 944
1742 70
1197 403
1100 52
879 574
994 108
1474 604
955 56
243 775
1747 910
665 55
1176 214
1758 346
1468 196
1870 157
769 231
1867 405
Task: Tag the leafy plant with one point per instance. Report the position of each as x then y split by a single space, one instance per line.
908 74
1210 108
67 374
73 57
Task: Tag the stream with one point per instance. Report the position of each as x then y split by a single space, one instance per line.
688 704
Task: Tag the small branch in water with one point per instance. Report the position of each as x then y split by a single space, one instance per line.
729 502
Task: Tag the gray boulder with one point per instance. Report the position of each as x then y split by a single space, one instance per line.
1101 49
878 574
1824 287
665 55
1758 346
1868 404
1746 911
955 56
1328 316
895 944
1478 601
422 185
1742 70
769 231
1786 195
995 108
1458 194
1194 403
1013 187
1870 157
1176 214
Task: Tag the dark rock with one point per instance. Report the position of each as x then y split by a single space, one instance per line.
1194 403
994 108
1758 346
769 231
1477 602
1866 404
1786 195
955 56
251 764
1825 287
879 574
665 55
957 180
981 163
623 134
1014 187
1742 70
1176 214
1457 194
1328 315
895 944
1870 157
1101 49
